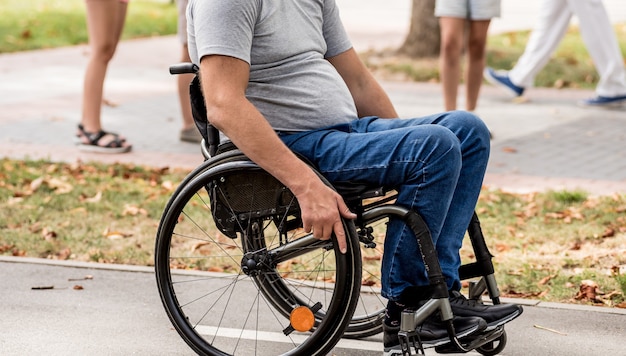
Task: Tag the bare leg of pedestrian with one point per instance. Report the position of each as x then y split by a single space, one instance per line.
477 44
450 58
189 132
105 22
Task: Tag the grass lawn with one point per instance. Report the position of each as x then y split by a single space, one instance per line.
35 24
546 245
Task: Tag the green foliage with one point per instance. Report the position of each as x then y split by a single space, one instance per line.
568 197
413 73
621 281
36 24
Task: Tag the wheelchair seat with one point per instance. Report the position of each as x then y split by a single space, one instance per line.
352 192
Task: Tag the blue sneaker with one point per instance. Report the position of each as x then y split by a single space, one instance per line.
501 79
604 101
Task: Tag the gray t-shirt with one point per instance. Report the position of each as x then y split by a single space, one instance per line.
286 43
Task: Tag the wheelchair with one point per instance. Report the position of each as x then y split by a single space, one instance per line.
237 274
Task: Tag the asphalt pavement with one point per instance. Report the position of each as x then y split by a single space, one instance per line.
543 142
72 308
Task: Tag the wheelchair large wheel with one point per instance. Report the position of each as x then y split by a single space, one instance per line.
370 309
237 275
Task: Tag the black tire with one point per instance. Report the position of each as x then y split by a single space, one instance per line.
233 295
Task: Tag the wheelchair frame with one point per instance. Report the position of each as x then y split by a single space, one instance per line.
226 158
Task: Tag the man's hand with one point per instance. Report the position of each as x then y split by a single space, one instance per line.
322 209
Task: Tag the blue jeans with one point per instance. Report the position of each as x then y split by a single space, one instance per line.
436 163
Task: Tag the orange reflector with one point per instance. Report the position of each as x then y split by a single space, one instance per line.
302 319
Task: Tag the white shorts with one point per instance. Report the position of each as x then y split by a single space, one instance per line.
182 20
468 9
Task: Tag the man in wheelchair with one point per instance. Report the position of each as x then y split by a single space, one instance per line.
281 77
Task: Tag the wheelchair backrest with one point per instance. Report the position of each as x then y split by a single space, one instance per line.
209 133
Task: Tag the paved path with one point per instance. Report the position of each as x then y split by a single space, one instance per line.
545 143
118 312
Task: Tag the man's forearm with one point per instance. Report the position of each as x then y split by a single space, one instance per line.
373 101
369 97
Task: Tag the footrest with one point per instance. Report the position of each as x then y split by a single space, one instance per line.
471 342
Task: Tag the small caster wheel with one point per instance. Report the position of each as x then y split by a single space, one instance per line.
494 347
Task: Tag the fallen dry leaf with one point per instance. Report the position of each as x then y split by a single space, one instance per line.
59 186
515 294
502 247
133 210
577 246
509 149
5 248
35 228
35 184
368 283
7 167
63 254
618 270
14 200
589 291
18 253
48 235
116 235
199 245
512 230
168 185
545 280
373 258
610 296
95 199
567 216
608 232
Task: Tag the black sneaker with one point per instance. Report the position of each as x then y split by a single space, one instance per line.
494 315
432 332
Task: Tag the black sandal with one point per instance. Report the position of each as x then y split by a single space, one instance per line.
116 145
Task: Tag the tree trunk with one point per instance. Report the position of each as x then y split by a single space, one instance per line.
424 38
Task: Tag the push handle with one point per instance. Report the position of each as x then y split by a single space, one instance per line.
184 68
